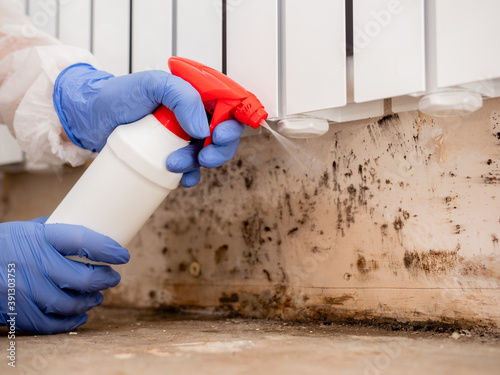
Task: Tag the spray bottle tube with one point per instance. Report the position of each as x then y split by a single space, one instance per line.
128 180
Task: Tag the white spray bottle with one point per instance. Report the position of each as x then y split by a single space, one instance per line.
128 180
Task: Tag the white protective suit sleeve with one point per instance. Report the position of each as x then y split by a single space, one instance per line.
30 61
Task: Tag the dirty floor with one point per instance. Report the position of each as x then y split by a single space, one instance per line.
122 342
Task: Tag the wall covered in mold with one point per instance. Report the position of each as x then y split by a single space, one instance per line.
395 217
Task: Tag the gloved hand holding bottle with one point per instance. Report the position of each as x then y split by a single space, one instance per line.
52 293
92 103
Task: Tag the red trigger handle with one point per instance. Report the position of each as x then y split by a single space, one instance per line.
222 97
224 110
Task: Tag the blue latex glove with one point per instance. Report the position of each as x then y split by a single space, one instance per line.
187 160
91 103
52 293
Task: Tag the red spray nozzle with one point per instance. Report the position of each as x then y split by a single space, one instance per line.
222 97
251 112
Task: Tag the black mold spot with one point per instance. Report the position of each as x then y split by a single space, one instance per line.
491 180
295 229
324 179
248 181
352 191
411 259
336 185
361 264
268 275
349 215
229 299
220 253
152 294
338 300
340 220
250 230
384 121
398 224
288 204
365 266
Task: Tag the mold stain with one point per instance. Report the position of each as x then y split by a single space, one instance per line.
324 180
491 179
398 224
268 275
388 120
433 262
350 195
251 231
288 204
248 181
406 215
272 303
349 205
225 298
340 220
336 185
494 240
277 303
364 266
338 300
482 267
220 254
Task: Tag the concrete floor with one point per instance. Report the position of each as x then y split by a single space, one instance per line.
120 342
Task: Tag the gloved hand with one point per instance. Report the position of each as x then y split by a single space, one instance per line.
187 160
91 103
52 293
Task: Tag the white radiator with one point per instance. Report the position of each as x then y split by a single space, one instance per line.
292 53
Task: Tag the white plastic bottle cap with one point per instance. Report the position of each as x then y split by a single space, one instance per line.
302 127
450 103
